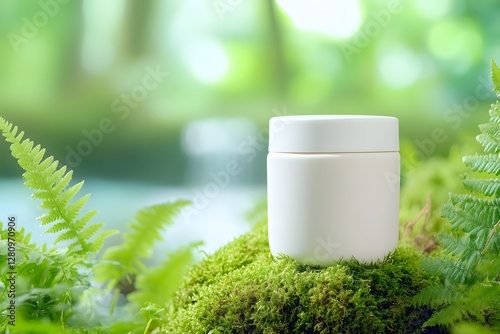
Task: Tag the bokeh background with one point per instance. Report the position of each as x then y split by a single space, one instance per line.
151 100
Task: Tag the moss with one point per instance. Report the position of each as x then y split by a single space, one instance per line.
242 289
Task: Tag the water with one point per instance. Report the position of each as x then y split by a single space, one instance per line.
215 220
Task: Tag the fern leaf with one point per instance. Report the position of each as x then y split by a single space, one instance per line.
495 76
470 214
470 267
435 296
96 245
470 306
74 209
57 227
460 220
51 187
68 235
68 194
85 219
487 211
489 143
489 163
46 274
492 129
449 269
495 113
90 231
456 246
448 315
157 285
125 259
486 187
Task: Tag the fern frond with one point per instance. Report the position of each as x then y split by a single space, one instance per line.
156 285
48 275
470 306
470 214
29 251
457 245
448 315
489 143
452 271
458 272
461 220
51 187
492 129
125 259
495 76
436 296
487 211
482 297
470 267
96 245
495 112
489 163
487 187
493 241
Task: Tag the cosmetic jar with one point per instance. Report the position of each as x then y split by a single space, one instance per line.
333 186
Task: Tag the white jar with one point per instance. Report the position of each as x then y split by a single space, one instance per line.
333 187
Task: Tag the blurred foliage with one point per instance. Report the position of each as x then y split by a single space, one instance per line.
425 189
63 65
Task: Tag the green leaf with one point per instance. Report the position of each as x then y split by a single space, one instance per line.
157 285
448 315
469 267
125 259
495 76
487 187
51 187
489 142
483 163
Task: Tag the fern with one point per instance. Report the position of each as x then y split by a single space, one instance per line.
151 287
469 270
49 279
56 285
157 284
495 76
51 187
125 260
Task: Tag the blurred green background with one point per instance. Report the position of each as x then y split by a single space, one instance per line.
65 66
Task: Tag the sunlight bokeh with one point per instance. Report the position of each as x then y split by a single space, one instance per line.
336 18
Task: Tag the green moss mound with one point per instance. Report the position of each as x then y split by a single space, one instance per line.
242 289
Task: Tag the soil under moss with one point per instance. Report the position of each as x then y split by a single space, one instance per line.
242 289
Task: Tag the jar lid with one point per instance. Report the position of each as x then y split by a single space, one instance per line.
333 134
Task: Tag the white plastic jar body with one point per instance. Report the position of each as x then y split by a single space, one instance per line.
323 207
